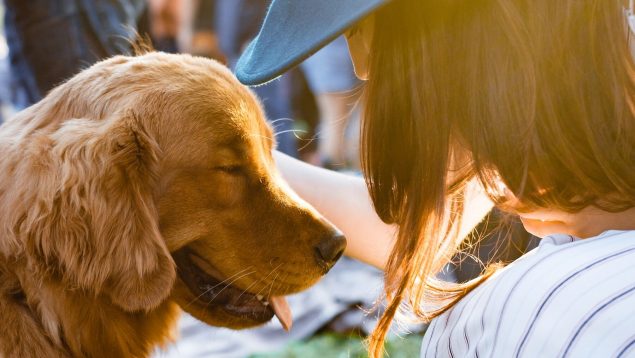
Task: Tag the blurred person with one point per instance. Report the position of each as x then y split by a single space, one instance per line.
166 24
329 73
51 40
204 41
6 108
522 104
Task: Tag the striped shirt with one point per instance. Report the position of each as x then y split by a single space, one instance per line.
566 298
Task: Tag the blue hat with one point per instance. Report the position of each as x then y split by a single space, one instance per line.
295 29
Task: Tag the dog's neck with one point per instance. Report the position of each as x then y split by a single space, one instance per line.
101 329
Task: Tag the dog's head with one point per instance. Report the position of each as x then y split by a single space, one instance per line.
164 187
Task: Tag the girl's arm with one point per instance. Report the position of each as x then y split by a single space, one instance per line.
344 201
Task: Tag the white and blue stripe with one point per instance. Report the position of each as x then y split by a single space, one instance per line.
566 298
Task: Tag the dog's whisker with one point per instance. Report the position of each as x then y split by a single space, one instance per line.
264 287
280 120
260 280
229 284
234 275
308 142
273 270
294 131
248 287
276 127
273 283
225 280
211 288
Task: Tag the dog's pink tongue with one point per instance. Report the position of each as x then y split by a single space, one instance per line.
282 310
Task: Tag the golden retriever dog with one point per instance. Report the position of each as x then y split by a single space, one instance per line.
142 185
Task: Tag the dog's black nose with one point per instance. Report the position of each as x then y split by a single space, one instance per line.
329 250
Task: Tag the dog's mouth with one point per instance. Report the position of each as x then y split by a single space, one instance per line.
201 279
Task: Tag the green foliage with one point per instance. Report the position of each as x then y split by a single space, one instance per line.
338 346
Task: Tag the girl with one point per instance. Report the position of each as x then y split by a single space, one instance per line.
529 103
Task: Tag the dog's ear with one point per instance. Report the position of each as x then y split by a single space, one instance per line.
101 232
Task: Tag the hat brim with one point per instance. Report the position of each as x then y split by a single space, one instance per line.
293 30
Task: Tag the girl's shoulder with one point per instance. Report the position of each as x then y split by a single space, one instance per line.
566 297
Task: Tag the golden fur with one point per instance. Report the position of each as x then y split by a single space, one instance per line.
102 182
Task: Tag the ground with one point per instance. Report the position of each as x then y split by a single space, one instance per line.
331 345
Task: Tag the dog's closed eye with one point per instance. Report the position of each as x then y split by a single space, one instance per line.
230 169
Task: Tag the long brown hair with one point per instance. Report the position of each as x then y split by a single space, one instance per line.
539 93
